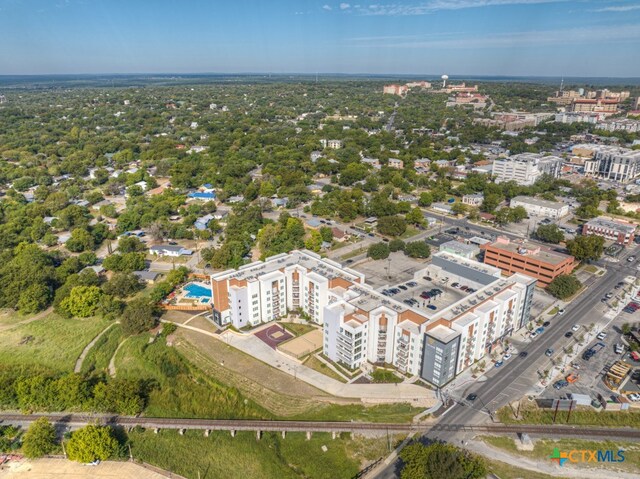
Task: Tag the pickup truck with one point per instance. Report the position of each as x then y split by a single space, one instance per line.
589 353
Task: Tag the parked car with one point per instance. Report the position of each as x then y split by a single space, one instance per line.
568 334
540 330
506 357
631 259
431 306
618 348
472 397
601 336
561 311
499 363
546 324
575 327
560 384
548 352
533 335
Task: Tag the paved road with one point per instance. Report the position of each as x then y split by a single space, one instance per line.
503 387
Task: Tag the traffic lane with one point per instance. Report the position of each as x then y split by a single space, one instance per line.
490 390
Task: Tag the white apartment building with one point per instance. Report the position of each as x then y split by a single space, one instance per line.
526 168
474 199
539 207
362 325
613 163
396 163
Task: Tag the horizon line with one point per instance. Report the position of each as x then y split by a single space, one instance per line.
257 73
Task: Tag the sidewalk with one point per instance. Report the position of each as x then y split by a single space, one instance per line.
417 396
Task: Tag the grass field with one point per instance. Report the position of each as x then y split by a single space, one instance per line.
242 457
507 471
581 417
99 355
9 317
291 406
410 231
298 329
317 365
543 448
182 390
353 253
52 341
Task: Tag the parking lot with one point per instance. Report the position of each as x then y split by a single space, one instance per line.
396 269
447 294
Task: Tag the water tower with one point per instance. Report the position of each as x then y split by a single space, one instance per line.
444 80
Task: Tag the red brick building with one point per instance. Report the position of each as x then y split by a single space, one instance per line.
531 259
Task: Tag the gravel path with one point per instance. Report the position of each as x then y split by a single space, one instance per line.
546 467
88 347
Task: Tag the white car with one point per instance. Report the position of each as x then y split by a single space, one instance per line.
561 311
601 336
575 327
506 357
634 397
533 335
631 259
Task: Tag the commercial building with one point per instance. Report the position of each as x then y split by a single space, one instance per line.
596 105
538 207
526 168
610 162
527 258
458 248
362 325
621 233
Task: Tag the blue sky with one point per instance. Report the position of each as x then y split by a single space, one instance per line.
457 37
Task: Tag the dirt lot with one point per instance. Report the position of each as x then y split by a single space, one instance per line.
61 468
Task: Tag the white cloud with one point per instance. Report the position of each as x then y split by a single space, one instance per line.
618 8
424 8
617 33
326 7
344 6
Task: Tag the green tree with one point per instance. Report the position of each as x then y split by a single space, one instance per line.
83 301
425 199
314 241
122 285
549 233
327 234
81 240
459 208
586 247
564 286
415 217
35 298
139 315
392 225
130 244
91 443
40 439
417 249
440 461
396 245
378 251
517 214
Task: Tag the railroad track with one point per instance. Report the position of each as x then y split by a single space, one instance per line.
76 420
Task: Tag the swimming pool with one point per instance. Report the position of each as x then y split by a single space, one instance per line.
195 290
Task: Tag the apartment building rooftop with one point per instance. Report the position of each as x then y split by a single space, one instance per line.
306 259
